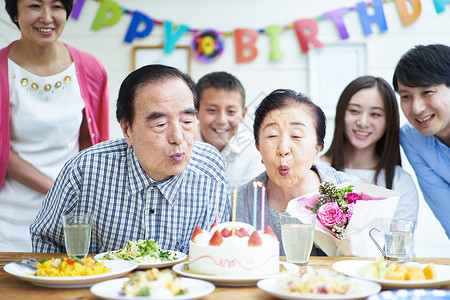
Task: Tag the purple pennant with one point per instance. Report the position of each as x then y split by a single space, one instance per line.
76 9
337 17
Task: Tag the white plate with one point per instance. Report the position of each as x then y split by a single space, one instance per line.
368 288
235 280
180 257
110 289
118 268
349 267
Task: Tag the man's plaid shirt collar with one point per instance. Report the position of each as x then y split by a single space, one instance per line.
139 180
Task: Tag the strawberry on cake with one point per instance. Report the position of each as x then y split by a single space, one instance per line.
247 252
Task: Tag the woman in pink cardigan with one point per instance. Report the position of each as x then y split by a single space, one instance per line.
53 104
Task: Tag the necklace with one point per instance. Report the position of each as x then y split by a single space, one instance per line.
45 88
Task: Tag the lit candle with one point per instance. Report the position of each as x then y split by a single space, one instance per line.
217 205
234 210
255 194
263 204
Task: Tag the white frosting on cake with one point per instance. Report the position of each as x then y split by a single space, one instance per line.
234 256
203 238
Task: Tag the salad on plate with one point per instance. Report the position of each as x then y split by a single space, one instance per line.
143 252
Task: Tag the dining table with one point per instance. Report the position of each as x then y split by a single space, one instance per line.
12 287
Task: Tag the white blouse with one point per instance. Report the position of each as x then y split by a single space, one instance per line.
45 120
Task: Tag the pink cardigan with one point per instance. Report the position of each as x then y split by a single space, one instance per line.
94 91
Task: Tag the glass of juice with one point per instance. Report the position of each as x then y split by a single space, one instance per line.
77 233
297 234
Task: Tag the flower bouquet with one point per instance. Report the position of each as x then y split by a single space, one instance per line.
345 214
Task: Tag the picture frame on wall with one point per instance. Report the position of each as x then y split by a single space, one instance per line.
180 58
327 79
331 69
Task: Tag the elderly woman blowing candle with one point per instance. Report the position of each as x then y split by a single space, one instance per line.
289 130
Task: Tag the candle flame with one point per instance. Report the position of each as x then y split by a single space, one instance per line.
257 184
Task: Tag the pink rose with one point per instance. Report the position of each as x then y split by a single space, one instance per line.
349 213
352 197
330 214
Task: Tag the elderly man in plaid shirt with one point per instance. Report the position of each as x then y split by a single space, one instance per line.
156 183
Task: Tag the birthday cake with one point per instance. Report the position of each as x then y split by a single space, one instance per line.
248 252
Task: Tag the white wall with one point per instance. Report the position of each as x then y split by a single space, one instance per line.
261 76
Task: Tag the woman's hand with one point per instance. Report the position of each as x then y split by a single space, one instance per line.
25 173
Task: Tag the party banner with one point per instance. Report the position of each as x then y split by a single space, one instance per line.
208 44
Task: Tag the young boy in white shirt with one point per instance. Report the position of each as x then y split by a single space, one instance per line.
221 110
